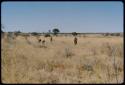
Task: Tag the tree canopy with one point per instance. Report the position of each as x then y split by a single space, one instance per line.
56 31
74 33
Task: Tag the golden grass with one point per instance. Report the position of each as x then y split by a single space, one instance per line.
90 61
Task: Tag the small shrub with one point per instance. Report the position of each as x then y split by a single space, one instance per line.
34 33
106 34
74 33
117 34
47 35
87 67
68 52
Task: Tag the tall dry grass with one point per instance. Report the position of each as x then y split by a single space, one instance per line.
92 60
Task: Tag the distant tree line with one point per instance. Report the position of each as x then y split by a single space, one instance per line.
112 34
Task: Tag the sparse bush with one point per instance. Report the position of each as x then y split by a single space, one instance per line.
117 34
68 52
17 33
87 67
108 49
112 50
106 34
112 34
74 33
34 33
47 35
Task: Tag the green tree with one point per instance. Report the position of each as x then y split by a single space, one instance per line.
34 33
56 31
74 33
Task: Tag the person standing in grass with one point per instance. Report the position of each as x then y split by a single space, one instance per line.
51 39
75 41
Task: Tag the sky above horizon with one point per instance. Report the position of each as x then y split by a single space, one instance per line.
70 16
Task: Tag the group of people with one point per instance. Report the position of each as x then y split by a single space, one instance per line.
43 41
51 39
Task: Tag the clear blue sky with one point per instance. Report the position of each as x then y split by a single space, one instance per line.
67 16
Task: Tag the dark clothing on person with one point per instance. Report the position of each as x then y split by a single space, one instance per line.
75 41
51 39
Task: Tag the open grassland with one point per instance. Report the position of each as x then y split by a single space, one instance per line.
92 60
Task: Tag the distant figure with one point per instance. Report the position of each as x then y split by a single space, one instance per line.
43 43
39 40
51 39
75 41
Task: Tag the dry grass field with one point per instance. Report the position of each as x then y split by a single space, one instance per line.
92 60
